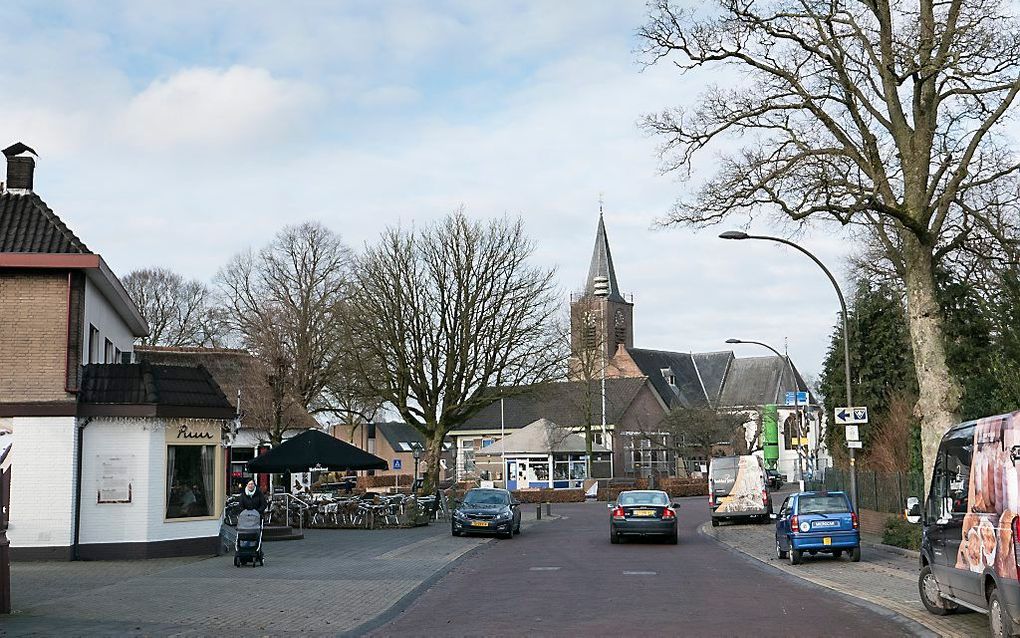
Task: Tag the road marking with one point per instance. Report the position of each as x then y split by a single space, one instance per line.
543 569
640 573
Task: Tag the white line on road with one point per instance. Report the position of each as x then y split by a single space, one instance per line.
640 573
543 569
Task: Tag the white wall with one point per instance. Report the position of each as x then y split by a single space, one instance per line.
101 314
143 518
42 482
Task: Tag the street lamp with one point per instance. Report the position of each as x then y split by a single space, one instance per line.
416 453
738 234
796 404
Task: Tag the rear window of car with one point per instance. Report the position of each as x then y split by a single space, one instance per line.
643 498
822 505
724 468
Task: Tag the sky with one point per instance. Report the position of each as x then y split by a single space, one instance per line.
178 134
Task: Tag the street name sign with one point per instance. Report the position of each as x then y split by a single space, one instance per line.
851 416
857 445
852 433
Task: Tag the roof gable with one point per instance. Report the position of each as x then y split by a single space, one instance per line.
28 225
686 390
188 391
755 381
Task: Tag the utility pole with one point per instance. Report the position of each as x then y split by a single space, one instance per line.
739 235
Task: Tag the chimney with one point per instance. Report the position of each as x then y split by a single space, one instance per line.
20 167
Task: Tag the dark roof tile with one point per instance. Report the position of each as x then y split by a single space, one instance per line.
146 384
27 225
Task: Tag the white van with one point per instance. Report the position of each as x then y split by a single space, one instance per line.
738 488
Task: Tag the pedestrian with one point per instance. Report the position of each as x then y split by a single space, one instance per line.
253 499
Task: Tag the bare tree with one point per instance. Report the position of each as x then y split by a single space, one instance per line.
699 430
180 312
887 115
443 313
286 302
588 363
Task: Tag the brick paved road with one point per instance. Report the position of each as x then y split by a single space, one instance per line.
566 579
330 582
882 577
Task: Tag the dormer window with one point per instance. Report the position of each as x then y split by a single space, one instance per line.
667 374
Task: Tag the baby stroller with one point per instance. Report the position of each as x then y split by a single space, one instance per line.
248 544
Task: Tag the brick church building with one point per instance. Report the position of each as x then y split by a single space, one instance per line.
641 387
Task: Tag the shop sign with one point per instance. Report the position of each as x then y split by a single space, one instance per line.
193 433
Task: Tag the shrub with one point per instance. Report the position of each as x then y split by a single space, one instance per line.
546 495
900 533
365 482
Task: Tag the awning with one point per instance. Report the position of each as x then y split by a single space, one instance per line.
311 449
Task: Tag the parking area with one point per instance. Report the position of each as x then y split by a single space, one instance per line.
883 577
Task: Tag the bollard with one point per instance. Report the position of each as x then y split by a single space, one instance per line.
538 511
548 509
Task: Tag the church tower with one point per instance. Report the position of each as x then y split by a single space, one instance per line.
601 319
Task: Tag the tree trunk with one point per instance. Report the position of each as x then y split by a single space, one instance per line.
939 395
587 449
433 455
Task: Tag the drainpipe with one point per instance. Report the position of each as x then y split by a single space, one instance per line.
75 554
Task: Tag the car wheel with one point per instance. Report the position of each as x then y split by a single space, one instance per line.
614 538
837 554
933 601
454 531
855 554
517 530
506 536
715 522
796 556
675 538
998 621
779 550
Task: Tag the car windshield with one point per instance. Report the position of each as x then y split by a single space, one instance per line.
486 497
643 498
832 504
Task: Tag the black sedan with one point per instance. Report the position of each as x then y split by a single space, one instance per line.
643 513
487 511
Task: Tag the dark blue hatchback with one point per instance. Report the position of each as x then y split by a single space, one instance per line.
816 522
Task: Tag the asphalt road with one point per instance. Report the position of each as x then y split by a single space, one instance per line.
563 577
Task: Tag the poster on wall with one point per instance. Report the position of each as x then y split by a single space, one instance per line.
114 480
300 482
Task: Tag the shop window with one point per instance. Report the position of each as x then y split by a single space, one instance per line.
190 481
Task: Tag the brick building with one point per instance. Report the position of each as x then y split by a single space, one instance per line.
110 458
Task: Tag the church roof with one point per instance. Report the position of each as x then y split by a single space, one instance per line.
602 266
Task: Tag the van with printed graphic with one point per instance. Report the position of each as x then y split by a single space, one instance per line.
971 523
738 489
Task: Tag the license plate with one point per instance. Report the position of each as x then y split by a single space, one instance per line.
644 512
827 541
479 523
825 524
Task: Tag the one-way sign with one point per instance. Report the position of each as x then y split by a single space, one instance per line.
851 416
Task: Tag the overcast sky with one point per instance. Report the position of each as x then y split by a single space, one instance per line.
178 133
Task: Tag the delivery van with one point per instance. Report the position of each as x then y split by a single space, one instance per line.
971 530
738 488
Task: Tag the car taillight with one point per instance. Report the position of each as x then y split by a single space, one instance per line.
668 513
1016 544
853 519
619 513
794 523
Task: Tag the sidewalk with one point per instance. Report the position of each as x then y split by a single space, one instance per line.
331 582
883 577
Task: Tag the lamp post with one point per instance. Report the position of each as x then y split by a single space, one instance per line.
737 234
416 453
796 404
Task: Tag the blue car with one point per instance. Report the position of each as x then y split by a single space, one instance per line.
816 522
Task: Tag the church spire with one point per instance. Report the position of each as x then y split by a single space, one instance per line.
601 273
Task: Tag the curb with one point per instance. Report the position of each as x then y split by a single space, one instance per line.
919 622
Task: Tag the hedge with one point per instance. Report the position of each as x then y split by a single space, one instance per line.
675 487
365 482
546 495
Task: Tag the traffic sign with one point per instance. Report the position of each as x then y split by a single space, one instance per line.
857 445
397 464
851 416
852 433
800 398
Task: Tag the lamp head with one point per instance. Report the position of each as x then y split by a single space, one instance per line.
733 234
734 341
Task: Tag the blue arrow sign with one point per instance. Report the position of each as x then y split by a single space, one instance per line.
842 415
851 415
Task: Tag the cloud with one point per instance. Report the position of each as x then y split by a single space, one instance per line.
208 107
